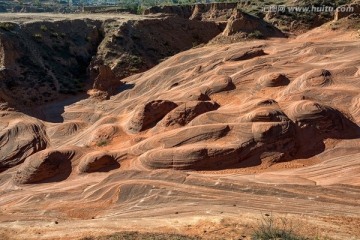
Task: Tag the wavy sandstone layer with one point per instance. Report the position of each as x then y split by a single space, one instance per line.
221 131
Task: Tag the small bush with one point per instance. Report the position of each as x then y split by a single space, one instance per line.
54 35
137 235
37 36
271 228
102 142
43 28
7 26
256 35
195 44
134 60
139 10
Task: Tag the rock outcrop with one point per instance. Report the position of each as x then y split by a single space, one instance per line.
274 80
97 162
149 114
186 112
104 78
243 22
184 11
213 11
20 138
47 165
136 45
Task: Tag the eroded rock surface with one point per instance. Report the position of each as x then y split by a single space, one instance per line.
47 165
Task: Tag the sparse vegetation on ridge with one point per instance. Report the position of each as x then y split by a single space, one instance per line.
139 236
7 26
102 142
275 228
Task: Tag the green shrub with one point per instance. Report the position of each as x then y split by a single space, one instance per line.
102 142
54 35
271 228
137 235
37 36
43 28
139 10
256 35
7 26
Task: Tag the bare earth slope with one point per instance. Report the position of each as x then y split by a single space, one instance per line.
211 134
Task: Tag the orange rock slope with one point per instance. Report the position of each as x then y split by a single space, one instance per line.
218 131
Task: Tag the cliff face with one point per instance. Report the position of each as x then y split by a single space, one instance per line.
44 59
135 46
41 60
243 22
212 12
184 11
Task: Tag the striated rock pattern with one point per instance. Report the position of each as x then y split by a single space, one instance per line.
53 165
19 139
149 114
214 108
213 132
97 162
184 113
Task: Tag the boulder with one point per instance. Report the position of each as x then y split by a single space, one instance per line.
98 162
105 79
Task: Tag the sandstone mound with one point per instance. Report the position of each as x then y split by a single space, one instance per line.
270 113
186 112
67 129
149 114
19 139
186 158
313 78
322 118
188 135
274 80
97 162
47 165
203 154
104 132
216 84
